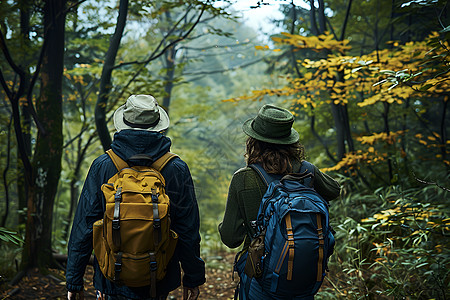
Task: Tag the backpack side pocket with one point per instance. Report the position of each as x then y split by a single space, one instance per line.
253 265
99 244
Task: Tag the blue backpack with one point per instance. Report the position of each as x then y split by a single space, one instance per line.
293 223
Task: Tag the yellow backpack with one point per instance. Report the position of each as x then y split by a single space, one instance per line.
133 243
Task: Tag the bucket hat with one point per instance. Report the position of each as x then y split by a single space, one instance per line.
141 112
272 125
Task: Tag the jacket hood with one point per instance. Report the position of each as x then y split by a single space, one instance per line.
130 142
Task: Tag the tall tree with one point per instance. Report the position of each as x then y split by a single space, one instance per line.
106 80
22 188
46 163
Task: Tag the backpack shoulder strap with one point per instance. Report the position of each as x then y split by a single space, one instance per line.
118 162
267 179
307 167
307 170
163 160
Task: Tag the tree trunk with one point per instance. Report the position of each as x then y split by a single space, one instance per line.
339 111
339 124
105 81
322 17
22 188
312 14
293 31
5 211
387 130
47 155
74 186
443 132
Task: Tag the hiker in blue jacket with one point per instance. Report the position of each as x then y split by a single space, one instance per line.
273 144
140 124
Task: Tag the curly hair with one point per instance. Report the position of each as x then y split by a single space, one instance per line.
274 158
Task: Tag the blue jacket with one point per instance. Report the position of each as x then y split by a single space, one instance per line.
184 217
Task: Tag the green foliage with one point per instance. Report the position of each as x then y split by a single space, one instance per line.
9 236
9 260
10 247
401 250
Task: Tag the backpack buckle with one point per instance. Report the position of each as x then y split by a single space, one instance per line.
155 196
153 266
118 195
115 224
157 223
117 267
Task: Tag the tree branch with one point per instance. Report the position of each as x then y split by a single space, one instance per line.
5 172
214 47
30 107
14 100
73 6
430 183
154 56
223 70
344 25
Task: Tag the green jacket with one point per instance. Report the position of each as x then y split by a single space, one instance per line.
244 197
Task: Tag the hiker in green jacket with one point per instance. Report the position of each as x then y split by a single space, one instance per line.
274 144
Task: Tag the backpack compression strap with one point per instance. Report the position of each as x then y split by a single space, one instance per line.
290 241
321 245
120 164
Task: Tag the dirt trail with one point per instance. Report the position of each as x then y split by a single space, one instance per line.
219 284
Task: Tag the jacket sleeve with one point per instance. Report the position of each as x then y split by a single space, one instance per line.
80 246
232 229
186 223
326 186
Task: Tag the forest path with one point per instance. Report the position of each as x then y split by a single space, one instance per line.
219 284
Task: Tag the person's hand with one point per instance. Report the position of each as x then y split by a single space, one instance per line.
75 295
190 293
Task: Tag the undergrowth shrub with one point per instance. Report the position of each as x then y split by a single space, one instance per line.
10 249
390 244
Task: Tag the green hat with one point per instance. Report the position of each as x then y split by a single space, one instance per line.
272 125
